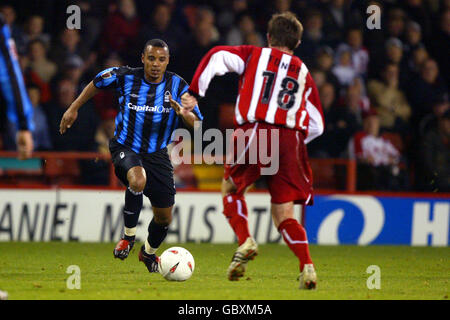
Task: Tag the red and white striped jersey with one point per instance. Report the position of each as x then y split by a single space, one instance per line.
274 87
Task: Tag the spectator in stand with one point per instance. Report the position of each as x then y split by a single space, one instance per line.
393 29
320 77
41 135
344 70
205 14
81 136
92 22
105 132
105 101
254 39
439 106
121 30
413 37
32 78
435 153
439 44
340 125
162 26
69 45
394 50
336 20
394 54
39 63
246 26
197 46
418 11
313 37
423 89
359 54
396 23
389 101
418 56
355 99
9 15
324 62
282 5
34 28
377 157
226 18
73 69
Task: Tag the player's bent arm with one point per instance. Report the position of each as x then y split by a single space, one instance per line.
218 61
88 92
71 114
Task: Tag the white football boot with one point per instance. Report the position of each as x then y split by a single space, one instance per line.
244 253
308 277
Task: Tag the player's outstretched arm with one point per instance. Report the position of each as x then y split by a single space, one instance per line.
71 114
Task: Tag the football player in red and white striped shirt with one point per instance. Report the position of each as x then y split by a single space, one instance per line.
276 92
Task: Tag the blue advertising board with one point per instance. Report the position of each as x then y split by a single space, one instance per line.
368 219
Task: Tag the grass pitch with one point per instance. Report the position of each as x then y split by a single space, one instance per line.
38 271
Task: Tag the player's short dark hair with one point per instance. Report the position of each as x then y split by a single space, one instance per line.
285 30
156 43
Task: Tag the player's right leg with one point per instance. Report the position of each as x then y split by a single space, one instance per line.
133 205
129 169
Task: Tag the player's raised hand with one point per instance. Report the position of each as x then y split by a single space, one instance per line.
188 101
180 110
175 105
67 120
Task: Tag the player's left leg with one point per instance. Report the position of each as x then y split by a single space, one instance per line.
160 190
293 184
295 237
157 232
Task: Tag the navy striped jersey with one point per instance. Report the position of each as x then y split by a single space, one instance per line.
19 110
146 120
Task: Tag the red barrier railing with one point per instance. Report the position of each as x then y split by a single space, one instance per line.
324 170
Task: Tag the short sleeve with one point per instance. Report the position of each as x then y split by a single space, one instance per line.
107 79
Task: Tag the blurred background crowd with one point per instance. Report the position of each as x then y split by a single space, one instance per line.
385 92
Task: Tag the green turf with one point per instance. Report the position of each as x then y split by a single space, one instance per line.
38 271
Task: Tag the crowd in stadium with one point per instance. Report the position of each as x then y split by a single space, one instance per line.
384 92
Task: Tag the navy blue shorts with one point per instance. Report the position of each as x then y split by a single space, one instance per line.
160 186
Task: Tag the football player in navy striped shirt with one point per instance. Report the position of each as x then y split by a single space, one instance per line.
18 108
152 105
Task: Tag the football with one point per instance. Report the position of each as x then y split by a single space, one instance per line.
176 264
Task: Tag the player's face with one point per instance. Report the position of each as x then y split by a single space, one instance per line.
155 60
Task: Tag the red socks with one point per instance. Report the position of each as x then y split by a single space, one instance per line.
235 209
295 236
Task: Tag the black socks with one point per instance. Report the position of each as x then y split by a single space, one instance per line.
131 211
156 234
